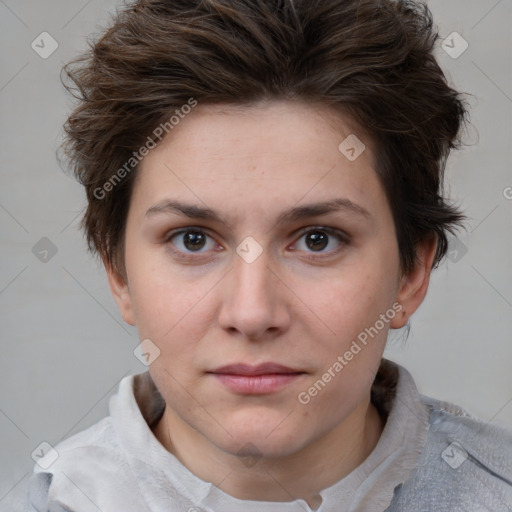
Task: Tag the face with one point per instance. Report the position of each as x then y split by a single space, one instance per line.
251 238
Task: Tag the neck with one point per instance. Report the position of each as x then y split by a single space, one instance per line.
300 475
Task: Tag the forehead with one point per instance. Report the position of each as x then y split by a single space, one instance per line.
292 128
253 155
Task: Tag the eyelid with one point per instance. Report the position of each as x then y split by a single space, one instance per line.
179 231
327 229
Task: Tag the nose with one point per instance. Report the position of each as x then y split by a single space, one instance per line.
255 305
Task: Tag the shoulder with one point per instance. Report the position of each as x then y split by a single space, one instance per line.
466 464
87 468
489 443
92 469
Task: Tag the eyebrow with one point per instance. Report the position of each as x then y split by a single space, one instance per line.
294 214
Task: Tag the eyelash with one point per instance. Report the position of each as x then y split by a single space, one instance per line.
342 237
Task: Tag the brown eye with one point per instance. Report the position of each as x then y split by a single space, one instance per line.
194 240
189 241
323 241
317 240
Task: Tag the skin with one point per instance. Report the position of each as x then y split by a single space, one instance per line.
251 163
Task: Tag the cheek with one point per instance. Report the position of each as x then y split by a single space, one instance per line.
163 301
348 360
355 298
352 306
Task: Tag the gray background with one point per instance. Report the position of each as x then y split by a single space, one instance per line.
64 345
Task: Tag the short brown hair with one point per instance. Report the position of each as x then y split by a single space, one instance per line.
372 59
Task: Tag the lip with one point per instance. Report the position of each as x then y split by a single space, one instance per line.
256 380
250 370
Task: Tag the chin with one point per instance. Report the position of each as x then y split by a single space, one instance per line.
262 439
261 448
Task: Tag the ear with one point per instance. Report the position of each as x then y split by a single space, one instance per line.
119 288
414 285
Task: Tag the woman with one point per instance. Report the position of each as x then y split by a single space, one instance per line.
264 188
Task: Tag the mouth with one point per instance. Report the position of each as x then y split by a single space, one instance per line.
256 380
